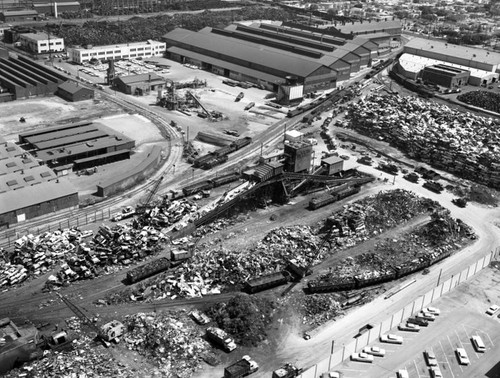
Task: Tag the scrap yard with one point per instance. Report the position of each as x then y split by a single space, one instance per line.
193 208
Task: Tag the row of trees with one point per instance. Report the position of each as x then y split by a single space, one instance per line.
141 29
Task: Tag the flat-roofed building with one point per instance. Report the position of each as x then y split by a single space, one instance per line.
139 84
133 50
41 43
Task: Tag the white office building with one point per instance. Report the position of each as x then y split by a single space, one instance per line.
124 51
41 43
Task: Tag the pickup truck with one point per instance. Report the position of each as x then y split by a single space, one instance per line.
241 368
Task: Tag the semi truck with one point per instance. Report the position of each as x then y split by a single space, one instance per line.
241 368
221 338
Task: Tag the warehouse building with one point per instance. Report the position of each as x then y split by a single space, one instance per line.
77 145
475 58
445 76
256 53
27 189
116 52
41 43
444 73
73 92
24 78
18 15
139 84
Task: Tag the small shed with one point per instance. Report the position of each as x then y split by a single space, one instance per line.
333 164
73 92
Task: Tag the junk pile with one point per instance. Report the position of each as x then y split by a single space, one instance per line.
318 309
465 144
482 99
35 255
174 346
167 214
84 360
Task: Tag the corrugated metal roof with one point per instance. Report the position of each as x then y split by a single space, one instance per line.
469 53
25 12
72 87
33 195
60 133
141 78
230 66
369 27
252 53
53 128
70 139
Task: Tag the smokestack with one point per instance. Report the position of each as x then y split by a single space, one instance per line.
55 10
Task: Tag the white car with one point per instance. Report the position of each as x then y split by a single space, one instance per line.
433 310
402 373
436 372
492 309
463 359
430 358
362 357
391 339
374 351
409 327
426 315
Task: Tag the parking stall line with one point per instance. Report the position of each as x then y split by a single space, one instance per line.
459 339
491 341
416 368
448 362
466 331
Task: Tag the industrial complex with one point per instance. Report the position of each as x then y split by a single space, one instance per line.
309 195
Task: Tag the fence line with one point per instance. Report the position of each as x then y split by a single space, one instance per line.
92 217
338 356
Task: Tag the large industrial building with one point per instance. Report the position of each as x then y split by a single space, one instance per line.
277 55
448 65
24 78
76 145
115 52
27 189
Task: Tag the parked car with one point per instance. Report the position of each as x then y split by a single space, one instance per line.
391 339
492 309
374 351
426 315
478 344
436 372
409 327
402 373
362 357
432 310
463 359
430 358
418 321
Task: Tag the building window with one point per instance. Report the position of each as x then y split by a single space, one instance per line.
118 51
134 49
101 52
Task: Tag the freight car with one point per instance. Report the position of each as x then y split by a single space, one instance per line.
147 270
265 282
208 160
224 179
324 200
197 187
358 282
215 161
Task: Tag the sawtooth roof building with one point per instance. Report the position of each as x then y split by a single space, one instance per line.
270 55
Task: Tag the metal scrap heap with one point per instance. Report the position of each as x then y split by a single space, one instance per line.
465 144
84 361
174 346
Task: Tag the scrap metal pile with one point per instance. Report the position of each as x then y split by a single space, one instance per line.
462 143
167 214
174 345
85 360
483 99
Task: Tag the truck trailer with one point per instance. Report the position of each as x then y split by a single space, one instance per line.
220 338
241 368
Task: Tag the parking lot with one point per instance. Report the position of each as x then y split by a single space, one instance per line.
462 316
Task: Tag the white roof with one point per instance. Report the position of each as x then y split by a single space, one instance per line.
294 134
415 63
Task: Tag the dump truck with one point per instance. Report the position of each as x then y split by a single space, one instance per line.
221 339
287 371
241 368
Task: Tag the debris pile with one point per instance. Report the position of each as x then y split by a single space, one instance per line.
482 99
174 346
318 309
84 360
168 213
465 144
